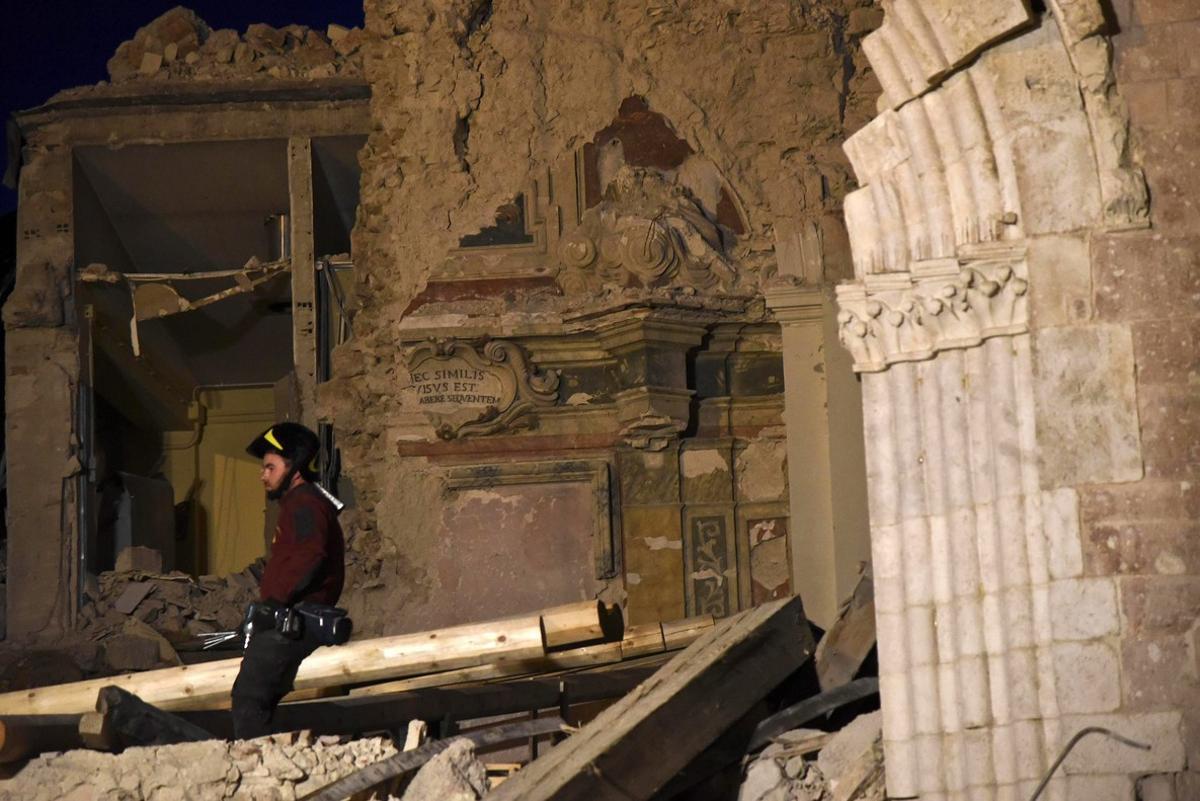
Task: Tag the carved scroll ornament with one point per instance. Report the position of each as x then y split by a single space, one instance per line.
471 389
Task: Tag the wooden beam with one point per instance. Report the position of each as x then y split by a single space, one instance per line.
23 736
634 747
189 686
572 624
812 708
642 640
499 642
131 721
849 640
358 715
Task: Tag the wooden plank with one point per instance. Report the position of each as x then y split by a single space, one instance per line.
587 656
23 736
358 715
131 721
634 747
638 641
407 761
572 624
809 709
682 633
842 650
189 686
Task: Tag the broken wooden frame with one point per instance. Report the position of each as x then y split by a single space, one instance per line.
635 746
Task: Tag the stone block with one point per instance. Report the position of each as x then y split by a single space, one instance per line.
1187 37
131 652
1087 677
1083 609
1098 754
1104 787
1170 416
1157 499
1159 604
1146 276
1158 12
1147 103
1172 181
1167 351
1157 787
1060 520
1159 672
1167 548
1147 54
139 557
1060 275
1087 413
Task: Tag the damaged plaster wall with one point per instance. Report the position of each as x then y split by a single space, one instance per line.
473 99
175 54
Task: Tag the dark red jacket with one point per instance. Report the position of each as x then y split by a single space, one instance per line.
307 561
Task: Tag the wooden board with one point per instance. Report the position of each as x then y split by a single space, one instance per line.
393 712
24 736
635 746
849 640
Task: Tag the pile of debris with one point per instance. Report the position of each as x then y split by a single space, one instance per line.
275 767
571 677
848 765
143 618
180 45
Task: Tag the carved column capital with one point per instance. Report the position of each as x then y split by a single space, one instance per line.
941 304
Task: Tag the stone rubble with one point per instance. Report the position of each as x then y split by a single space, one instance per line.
179 45
848 768
177 609
280 767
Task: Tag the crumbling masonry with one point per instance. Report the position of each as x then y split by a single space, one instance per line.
601 256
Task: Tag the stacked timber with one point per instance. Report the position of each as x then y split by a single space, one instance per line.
555 641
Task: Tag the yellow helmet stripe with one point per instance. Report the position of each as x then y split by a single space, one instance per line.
270 437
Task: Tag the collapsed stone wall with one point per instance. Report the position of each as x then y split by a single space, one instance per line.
471 99
283 766
179 45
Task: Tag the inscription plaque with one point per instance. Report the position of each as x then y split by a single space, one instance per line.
476 388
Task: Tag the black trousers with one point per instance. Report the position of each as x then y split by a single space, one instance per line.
269 666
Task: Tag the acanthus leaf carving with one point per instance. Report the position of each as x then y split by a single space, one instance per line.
912 318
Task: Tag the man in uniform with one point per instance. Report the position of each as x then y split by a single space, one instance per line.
306 564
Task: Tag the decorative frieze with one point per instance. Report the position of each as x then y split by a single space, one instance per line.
941 304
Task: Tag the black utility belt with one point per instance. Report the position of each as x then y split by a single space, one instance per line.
328 625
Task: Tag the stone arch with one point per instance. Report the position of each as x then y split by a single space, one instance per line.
1000 148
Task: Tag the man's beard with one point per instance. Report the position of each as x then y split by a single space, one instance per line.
284 484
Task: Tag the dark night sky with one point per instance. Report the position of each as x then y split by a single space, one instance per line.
56 44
